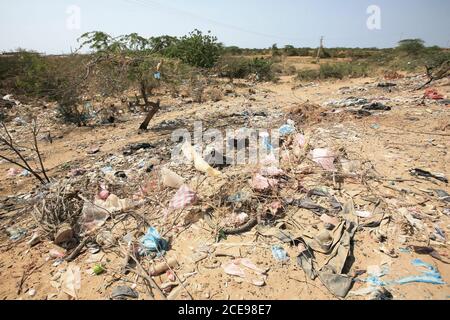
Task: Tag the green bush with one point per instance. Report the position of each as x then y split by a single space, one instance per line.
308 74
240 68
196 49
342 70
411 46
335 71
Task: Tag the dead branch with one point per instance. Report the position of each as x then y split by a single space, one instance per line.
12 145
155 108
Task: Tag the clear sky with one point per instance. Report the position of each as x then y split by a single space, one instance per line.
52 26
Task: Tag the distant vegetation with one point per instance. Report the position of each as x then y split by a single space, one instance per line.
117 64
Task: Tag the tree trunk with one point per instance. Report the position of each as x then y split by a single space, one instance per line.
151 113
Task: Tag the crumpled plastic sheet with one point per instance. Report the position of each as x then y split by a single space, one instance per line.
184 197
286 130
431 276
247 270
199 163
153 242
71 281
261 183
324 157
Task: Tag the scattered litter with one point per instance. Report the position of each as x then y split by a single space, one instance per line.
98 269
65 234
71 281
184 197
199 163
171 179
427 174
363 214
152 242
123 293
247 270
287 129
16 234
261 183
106 170
431 276
162 267
325 158
93 216
103 194
443 195
12 172
133 148
35 239
271 172
433 94
429 251
279 254
386 85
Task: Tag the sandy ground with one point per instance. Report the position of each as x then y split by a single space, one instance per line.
409 136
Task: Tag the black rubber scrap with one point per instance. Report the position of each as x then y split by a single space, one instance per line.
427 174
376 106
124 293
308 204
132 148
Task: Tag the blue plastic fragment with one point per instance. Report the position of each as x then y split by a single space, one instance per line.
431 276
286 130
279 253
267 144
152 242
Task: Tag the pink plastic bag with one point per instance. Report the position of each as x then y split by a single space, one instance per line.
184 197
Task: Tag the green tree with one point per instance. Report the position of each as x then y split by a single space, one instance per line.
196 49
124 62
290 50
411 46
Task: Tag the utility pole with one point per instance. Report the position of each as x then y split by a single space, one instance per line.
320 49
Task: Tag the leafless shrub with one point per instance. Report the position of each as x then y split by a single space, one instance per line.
59 205
17 154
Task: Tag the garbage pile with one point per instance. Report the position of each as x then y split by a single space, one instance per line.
304 202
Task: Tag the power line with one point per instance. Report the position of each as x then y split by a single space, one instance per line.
154 4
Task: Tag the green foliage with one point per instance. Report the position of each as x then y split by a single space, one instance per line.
290 51
275 51
32 73
240 68
308 74
411 47
335 71
343 69
196 49
232 50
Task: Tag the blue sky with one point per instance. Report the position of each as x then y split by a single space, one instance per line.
41 25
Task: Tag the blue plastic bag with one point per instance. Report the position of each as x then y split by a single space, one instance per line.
286 130
152 242
431 276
